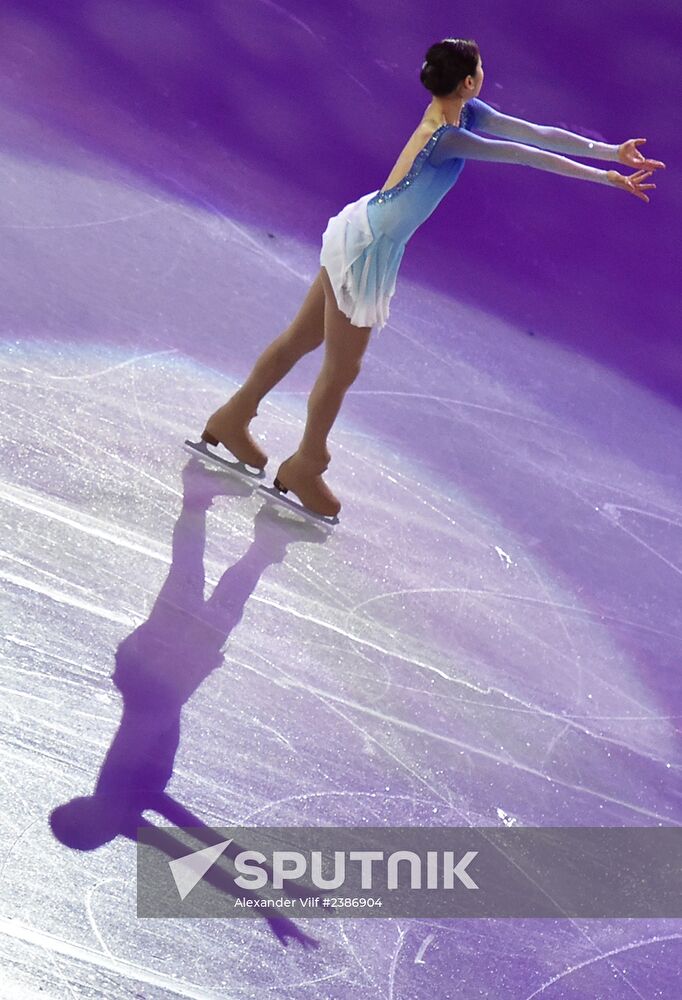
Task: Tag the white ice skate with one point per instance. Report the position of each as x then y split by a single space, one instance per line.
207 454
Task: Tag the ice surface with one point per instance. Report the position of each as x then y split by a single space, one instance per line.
490 636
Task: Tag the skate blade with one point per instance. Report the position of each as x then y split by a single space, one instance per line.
310 515
202 451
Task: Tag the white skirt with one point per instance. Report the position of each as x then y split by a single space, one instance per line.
362 266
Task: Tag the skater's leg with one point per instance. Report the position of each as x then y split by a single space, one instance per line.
304 334
345 345
230 422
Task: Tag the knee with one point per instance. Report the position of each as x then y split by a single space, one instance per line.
313 341
302 341
344 373
353 371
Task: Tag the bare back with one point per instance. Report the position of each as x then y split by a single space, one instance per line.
414 145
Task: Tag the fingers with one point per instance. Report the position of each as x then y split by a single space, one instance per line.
650 164
639 190
635 186
639 194
634 183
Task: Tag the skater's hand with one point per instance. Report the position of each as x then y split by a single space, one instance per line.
285 929
634 183
631 156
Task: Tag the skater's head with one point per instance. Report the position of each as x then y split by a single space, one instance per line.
453 68
85 823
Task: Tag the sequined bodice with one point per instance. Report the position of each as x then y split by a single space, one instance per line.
423 155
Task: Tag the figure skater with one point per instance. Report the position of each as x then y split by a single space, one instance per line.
362 247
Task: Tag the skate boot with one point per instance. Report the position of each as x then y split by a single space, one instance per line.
304 478
229 426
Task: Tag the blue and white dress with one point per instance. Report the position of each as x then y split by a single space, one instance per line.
363 245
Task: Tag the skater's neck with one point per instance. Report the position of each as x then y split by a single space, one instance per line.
445 110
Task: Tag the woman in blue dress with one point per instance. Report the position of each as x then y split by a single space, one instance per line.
362 247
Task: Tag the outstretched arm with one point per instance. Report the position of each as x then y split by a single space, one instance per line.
456 143
559 140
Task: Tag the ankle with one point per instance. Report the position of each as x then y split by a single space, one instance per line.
242 404
313 458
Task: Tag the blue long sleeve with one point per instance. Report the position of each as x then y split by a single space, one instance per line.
460 144
558 140
396 212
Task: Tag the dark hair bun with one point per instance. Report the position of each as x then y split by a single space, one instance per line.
447 63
